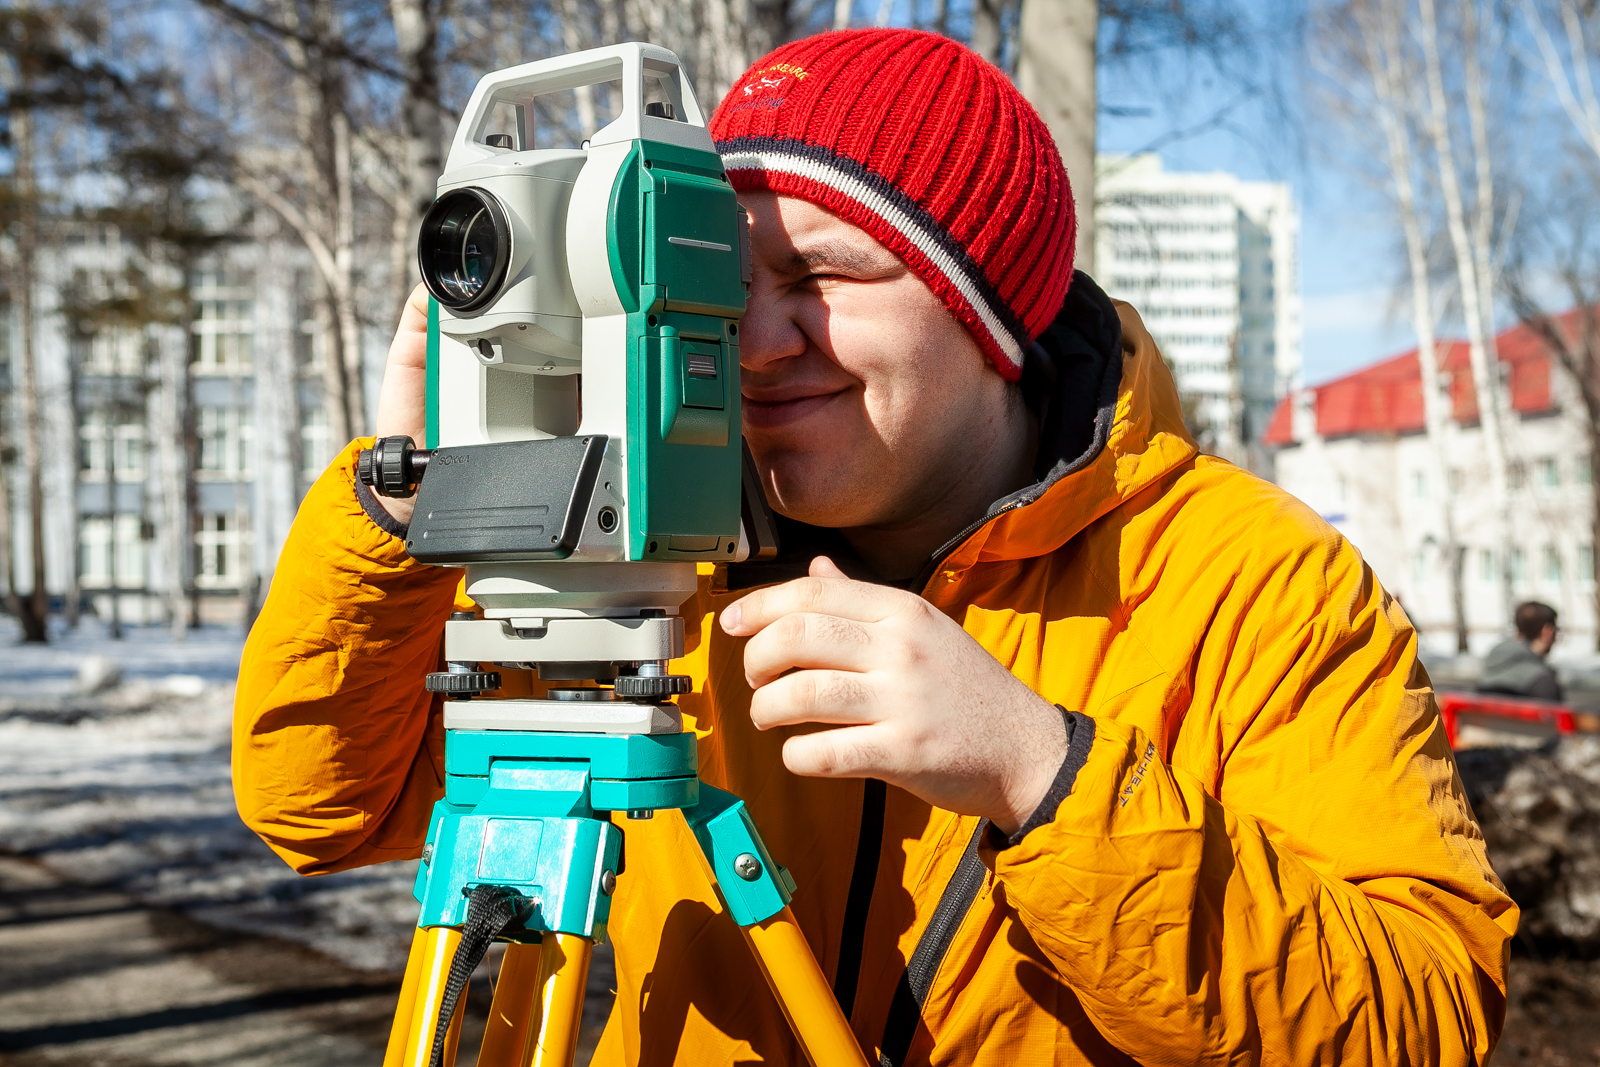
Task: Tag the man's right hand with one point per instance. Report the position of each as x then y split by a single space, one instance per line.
402 402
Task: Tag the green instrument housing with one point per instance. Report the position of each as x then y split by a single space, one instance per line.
677 254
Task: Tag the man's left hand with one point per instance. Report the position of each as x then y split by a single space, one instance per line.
915 700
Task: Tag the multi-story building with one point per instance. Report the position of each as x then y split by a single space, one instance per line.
174 456
1211 263
1355 450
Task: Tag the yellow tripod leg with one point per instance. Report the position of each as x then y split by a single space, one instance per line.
439 950
564 973
405 1008
804 994
514 1015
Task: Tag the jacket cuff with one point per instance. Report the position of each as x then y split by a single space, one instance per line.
1080 738
377 513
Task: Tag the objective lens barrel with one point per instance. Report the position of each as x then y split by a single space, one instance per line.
464 248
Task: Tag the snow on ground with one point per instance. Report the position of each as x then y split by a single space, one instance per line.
130 788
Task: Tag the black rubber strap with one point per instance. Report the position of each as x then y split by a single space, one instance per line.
905 1011
490 909
859 902
375 511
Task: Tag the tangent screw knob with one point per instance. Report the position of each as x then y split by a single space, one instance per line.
651 687
746 866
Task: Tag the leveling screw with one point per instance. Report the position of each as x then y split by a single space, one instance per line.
608 883
746 866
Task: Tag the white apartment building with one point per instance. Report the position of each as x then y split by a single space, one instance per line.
1355 451
1212 264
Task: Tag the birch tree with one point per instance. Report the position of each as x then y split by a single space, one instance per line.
1471 230
307 178
1380 26
1561 248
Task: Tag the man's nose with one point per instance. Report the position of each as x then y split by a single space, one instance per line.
768 332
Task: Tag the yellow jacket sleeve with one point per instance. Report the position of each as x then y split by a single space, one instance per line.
1313 889
337 748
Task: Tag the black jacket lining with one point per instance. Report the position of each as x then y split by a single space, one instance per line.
869 846
905 1012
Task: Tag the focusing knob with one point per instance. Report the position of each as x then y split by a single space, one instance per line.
652 688
392 466
460 685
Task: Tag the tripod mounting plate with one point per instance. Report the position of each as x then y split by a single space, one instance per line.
605 640
564 716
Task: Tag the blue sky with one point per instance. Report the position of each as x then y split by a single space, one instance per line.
1349 255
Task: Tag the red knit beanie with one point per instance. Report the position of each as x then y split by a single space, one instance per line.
930 149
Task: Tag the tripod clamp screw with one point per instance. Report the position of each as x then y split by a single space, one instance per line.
461 685
746 866
392 466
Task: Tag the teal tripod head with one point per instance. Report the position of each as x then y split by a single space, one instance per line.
583 451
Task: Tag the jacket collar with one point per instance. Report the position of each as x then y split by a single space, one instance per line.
1110 424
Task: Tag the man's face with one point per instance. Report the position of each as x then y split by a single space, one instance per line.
863 396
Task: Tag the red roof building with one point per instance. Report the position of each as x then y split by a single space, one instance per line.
1386 398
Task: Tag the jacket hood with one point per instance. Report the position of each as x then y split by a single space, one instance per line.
1110 424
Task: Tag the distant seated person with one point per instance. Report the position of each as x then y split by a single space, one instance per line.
1516 666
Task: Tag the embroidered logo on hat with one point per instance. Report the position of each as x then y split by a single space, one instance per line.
930 149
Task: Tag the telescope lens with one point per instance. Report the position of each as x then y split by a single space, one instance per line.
463 249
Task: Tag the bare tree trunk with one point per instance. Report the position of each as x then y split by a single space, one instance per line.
1480 337
416 34
74 601
112 416
1581 359
35 609
1056 72
171 448
7 542
1385 59
986 37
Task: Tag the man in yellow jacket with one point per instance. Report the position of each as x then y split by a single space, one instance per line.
1105 752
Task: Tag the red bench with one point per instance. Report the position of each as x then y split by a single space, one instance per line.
1517 713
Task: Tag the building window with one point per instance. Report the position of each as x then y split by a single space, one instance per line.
1516 475
1419 485
225 434
1519 565
95 548
224 326
1548 474
1419 567
1552 564
1453 479
219 545
1486 565
1586 563
1583 471
314 444
128 445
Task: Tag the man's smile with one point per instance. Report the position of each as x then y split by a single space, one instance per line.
777 406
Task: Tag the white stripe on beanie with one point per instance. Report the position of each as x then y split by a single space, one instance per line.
911 229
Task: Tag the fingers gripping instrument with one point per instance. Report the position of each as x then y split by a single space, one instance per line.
582 455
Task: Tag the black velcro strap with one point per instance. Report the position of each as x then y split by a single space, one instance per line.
859 902
906 1009
490 909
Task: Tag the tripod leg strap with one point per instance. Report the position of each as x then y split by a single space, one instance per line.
490 909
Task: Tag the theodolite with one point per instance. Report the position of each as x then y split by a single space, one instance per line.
583 456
